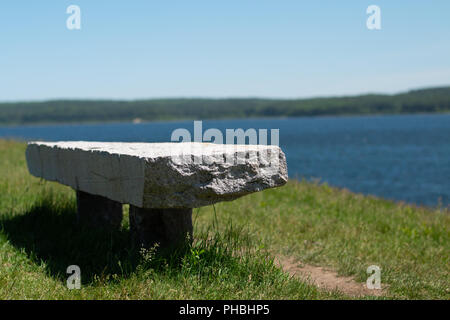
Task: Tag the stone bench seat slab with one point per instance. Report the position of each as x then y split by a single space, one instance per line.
159 175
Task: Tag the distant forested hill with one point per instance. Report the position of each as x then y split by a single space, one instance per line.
62 111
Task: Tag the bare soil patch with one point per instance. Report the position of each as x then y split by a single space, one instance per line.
326 279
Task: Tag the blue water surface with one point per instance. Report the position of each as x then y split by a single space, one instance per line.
401 157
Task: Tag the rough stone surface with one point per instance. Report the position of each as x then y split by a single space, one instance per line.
160 175
98 211
169 228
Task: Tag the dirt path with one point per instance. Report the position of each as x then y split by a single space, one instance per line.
326 279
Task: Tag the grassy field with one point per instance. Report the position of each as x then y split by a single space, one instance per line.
235 244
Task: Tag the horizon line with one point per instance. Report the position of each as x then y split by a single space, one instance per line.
367 93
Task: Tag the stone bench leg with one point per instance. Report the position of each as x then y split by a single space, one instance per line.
170 228
98 211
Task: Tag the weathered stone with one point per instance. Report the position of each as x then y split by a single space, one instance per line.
160 175
98 211
169 228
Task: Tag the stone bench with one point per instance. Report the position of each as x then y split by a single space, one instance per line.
161 182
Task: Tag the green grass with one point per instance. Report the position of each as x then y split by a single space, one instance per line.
232 256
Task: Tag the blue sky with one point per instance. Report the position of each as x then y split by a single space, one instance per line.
245 48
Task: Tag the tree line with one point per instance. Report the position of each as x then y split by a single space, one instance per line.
432 100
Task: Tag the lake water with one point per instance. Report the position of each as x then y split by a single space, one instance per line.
403 157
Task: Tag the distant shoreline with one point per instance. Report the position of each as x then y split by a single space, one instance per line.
423 101
94 123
